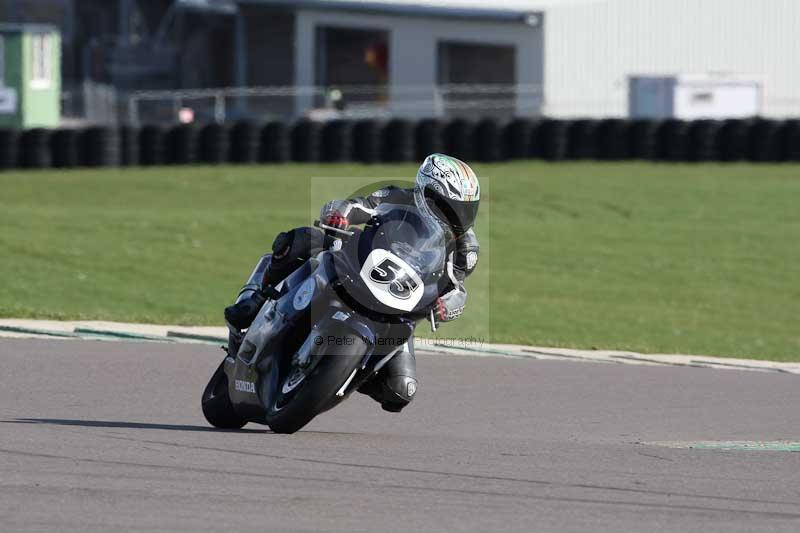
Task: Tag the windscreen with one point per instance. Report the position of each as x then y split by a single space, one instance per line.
412 235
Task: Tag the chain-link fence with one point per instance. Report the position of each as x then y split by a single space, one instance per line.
287 103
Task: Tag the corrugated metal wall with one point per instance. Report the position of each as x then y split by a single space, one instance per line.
591 49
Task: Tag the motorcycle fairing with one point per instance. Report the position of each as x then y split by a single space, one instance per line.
392 281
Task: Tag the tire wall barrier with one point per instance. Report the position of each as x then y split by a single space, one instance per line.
213 142
274 143
367 141
459 139
151 146
582 139
305 141
642 139
398 141
403 140
128 146
701 139
35 149
612 139
336 141
732 140
551 136
763 141
64 145
790 140
101 147
672 140
243 143
9 149
428 137
519 140
488 141
181 145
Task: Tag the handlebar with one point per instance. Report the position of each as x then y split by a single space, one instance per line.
333 229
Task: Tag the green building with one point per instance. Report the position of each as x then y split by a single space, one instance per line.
30 76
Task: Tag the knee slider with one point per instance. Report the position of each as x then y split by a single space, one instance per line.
400 390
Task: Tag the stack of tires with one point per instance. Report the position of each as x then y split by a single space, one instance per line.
181 145
35 150
152 146
402 140
367 141
305 141
244 143
398 141
552 140
66 149
213 144
428 139
9 149
274 145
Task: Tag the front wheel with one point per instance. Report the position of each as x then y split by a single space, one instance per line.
216 402
316 392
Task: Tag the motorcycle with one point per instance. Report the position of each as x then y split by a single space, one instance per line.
333 323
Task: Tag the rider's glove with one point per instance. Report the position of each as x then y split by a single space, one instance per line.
336 220
450 306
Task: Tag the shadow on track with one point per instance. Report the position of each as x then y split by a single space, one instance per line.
126 425
144 425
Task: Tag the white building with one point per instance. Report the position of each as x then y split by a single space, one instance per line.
591 48
581 52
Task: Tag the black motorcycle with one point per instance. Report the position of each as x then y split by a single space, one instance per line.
334 323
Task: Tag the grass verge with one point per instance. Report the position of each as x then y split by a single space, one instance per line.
653 258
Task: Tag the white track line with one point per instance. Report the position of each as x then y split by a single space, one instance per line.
22 328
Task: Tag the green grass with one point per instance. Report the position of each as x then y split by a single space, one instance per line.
655 258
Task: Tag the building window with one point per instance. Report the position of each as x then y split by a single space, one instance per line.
42 58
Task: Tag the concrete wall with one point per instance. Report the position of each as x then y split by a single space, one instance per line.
413 50
591 49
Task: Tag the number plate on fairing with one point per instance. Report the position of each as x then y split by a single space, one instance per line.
391 280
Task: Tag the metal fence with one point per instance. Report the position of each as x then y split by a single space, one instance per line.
92 103
286 103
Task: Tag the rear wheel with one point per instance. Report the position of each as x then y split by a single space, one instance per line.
302 397
216 402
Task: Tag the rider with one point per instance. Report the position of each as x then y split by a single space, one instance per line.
452 191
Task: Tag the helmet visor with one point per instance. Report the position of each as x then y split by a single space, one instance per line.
458 215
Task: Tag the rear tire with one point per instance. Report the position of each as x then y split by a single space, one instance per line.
216 402
317 392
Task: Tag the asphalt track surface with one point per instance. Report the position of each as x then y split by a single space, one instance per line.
101 436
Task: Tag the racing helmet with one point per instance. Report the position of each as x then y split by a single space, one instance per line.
451 189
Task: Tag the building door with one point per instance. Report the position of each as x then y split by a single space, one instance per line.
477 78
356 62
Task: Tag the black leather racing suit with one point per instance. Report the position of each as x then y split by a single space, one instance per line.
395 385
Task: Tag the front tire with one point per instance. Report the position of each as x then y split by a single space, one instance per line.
317 392
216 402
